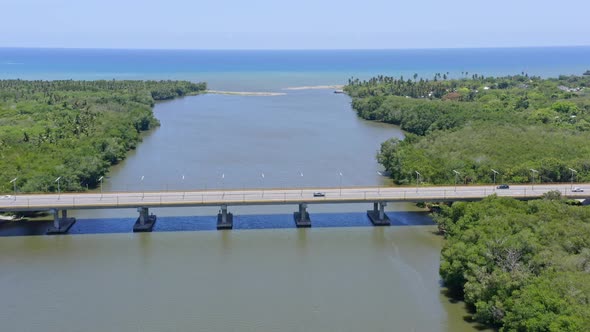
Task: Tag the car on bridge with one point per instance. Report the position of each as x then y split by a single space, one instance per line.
503 186
577 190
319 194
6 197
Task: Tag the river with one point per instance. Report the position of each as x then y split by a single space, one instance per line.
342 275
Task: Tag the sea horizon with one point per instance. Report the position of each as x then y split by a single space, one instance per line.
276 70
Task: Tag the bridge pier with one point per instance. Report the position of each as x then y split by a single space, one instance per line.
225 220
302 217
145 222
61 225
377 215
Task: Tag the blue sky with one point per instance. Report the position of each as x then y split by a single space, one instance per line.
300 24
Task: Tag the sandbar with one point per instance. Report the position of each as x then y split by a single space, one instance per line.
246 93
315 87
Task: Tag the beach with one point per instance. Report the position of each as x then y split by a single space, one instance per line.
244 93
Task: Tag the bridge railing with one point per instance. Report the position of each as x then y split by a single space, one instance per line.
254 197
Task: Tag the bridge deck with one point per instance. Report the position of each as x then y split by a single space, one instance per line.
27 202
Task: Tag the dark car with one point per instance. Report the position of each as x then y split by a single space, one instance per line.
503 186
319 194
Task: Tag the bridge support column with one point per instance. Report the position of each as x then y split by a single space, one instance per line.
225 220
145 222
302 217
61 225
377 215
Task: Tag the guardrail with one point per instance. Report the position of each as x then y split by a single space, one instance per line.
266 197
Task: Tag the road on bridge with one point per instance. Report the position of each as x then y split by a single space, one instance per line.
27 202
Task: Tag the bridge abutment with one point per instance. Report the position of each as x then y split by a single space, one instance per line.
302 217
61 225
145 222
377 215
225 220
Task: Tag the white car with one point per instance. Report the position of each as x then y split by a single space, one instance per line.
577 190
6 197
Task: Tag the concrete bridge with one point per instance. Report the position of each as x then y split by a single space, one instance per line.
59 204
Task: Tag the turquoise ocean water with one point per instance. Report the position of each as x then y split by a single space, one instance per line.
274 70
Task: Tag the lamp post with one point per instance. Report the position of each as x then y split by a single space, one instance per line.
456 175
533 177
573 171
418 175
183 188
13 181
100 179
340 172
262 182
495 172
142 187
301 175
58 188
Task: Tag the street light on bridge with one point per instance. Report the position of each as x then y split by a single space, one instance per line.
456 175
418 175
340 172
58 188
262 182
13 181
495 172
142 187
573 171
100 179
533 177
301 175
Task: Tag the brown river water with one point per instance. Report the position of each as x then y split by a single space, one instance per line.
343 275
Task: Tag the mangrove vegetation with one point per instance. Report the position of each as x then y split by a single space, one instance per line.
520 266
74 129
473 125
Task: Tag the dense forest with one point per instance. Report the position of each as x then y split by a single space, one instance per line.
521 266
74 129
476 124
